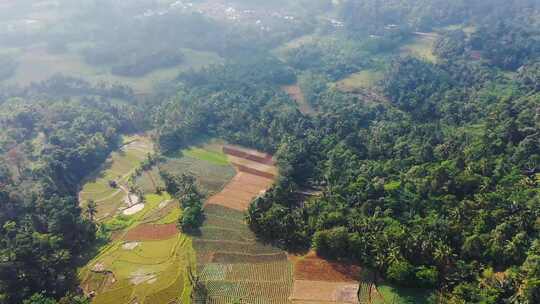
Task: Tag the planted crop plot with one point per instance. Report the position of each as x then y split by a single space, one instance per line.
242 189
211 177
232 264
249 154
232 247
324 292
249 292
248 272
147 260
223 257
319 281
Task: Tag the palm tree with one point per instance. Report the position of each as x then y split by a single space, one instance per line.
91 209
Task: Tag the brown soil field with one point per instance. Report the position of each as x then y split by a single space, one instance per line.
240 191
314 268
256 172
249 151
324 292
255 156
150 232
239 161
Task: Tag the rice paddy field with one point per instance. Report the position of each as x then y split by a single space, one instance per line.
148 260
118 167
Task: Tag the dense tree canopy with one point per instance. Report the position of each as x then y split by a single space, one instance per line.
48 145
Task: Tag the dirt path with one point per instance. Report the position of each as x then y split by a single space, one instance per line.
297 95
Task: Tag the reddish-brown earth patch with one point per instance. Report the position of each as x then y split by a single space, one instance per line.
249 170
257 157
151 232
318 281
318 292
313 268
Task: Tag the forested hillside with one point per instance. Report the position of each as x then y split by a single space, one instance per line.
426 170
51 137
437 187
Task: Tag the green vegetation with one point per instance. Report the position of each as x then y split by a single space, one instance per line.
420 47
214 157
184 189
365 79
397 295
243 268
38 66
434 186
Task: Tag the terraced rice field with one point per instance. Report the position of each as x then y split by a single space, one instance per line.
148 260
117 167
231 263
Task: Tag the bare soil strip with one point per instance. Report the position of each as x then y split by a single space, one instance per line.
241 190
317 269
249 155
324 292
318 281
256 172
297 95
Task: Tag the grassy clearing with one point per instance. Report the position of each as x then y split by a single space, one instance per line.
206 161
399 295
362 80
210 176
213 157
295 92
36 64
171 217
420 47
150 180
282 50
